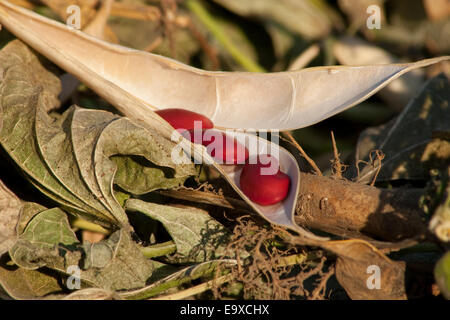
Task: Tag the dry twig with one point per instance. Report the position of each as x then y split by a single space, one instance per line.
337 166
303 153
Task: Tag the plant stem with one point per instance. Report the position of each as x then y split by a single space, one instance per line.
296 259
286 261
158 250
197 8
197 289
89 226
310 161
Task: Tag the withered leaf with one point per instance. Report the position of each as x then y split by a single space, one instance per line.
125 137
20 283
47 230
408 141
92 294
86 126
197 235
10 206
116 263
138 176
21 94
112 264
67 157
28 211
366 273
54 142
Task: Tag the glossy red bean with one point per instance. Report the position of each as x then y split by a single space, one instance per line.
225 151
185 119
263 186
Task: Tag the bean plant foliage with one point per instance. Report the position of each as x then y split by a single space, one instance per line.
77 174
92 205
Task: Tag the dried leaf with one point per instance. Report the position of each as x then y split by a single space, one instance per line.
28 211
138 176
22 284
112 264
125 137
10 206
366 273
46 230
408 141
54 143
67 157
198 237
116 263
21 96
85 128
92 294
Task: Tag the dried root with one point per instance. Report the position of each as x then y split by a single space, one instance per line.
269 268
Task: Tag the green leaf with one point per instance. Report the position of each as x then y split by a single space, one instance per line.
138 176
22 283
116 263
28 211
112 264
125 137
198 237
86 127
442 275
409 142
43 233
19 283
54 142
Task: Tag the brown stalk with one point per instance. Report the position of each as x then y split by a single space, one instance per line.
379 157
137 12
210 51
303 153
338 167
154 44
